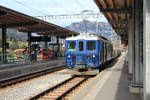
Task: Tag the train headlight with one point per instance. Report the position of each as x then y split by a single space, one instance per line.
69 56
93 56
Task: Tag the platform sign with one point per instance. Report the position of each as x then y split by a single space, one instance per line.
40 39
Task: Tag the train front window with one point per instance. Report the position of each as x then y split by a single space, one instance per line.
71 46
91 45
80 45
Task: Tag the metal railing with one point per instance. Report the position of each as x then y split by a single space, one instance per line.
13 58
26 58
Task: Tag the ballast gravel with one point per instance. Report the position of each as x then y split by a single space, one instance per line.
28 89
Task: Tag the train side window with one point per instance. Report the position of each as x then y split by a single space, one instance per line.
80 45
71 46
91 45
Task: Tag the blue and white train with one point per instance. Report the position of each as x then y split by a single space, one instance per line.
86 54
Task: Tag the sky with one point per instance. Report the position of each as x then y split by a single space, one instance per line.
53 7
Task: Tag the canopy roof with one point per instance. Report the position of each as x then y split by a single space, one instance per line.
25 23
118 14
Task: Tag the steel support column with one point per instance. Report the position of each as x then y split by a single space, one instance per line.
136 72
130 47
4 52
146 49
141 44
58 45
29 44
46 42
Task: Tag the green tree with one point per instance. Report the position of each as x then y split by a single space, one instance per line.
22 45
14 46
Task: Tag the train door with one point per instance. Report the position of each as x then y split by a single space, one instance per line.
109 52
112 51
101 52
105 52
81 46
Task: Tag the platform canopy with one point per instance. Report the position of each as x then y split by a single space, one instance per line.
118 14
25 23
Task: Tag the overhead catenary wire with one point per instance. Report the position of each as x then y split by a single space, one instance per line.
78 3
29 7
66 10
58 17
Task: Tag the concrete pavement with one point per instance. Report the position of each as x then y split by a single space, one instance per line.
110 84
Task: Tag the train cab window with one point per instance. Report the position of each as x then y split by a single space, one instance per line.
71 46
81 46
91 45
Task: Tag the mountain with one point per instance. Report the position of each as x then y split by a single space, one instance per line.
102 28
92 26
15 39
14 35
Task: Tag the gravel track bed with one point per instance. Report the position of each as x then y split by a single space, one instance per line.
33 87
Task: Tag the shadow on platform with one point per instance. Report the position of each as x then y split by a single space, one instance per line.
122 89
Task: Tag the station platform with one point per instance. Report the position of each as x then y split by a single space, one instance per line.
8 71
26 63
110 84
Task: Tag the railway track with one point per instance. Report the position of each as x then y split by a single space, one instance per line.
17 79
63 90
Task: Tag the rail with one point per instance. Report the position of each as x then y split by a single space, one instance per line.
61 90
20 78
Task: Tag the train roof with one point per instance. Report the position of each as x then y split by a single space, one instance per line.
87 36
